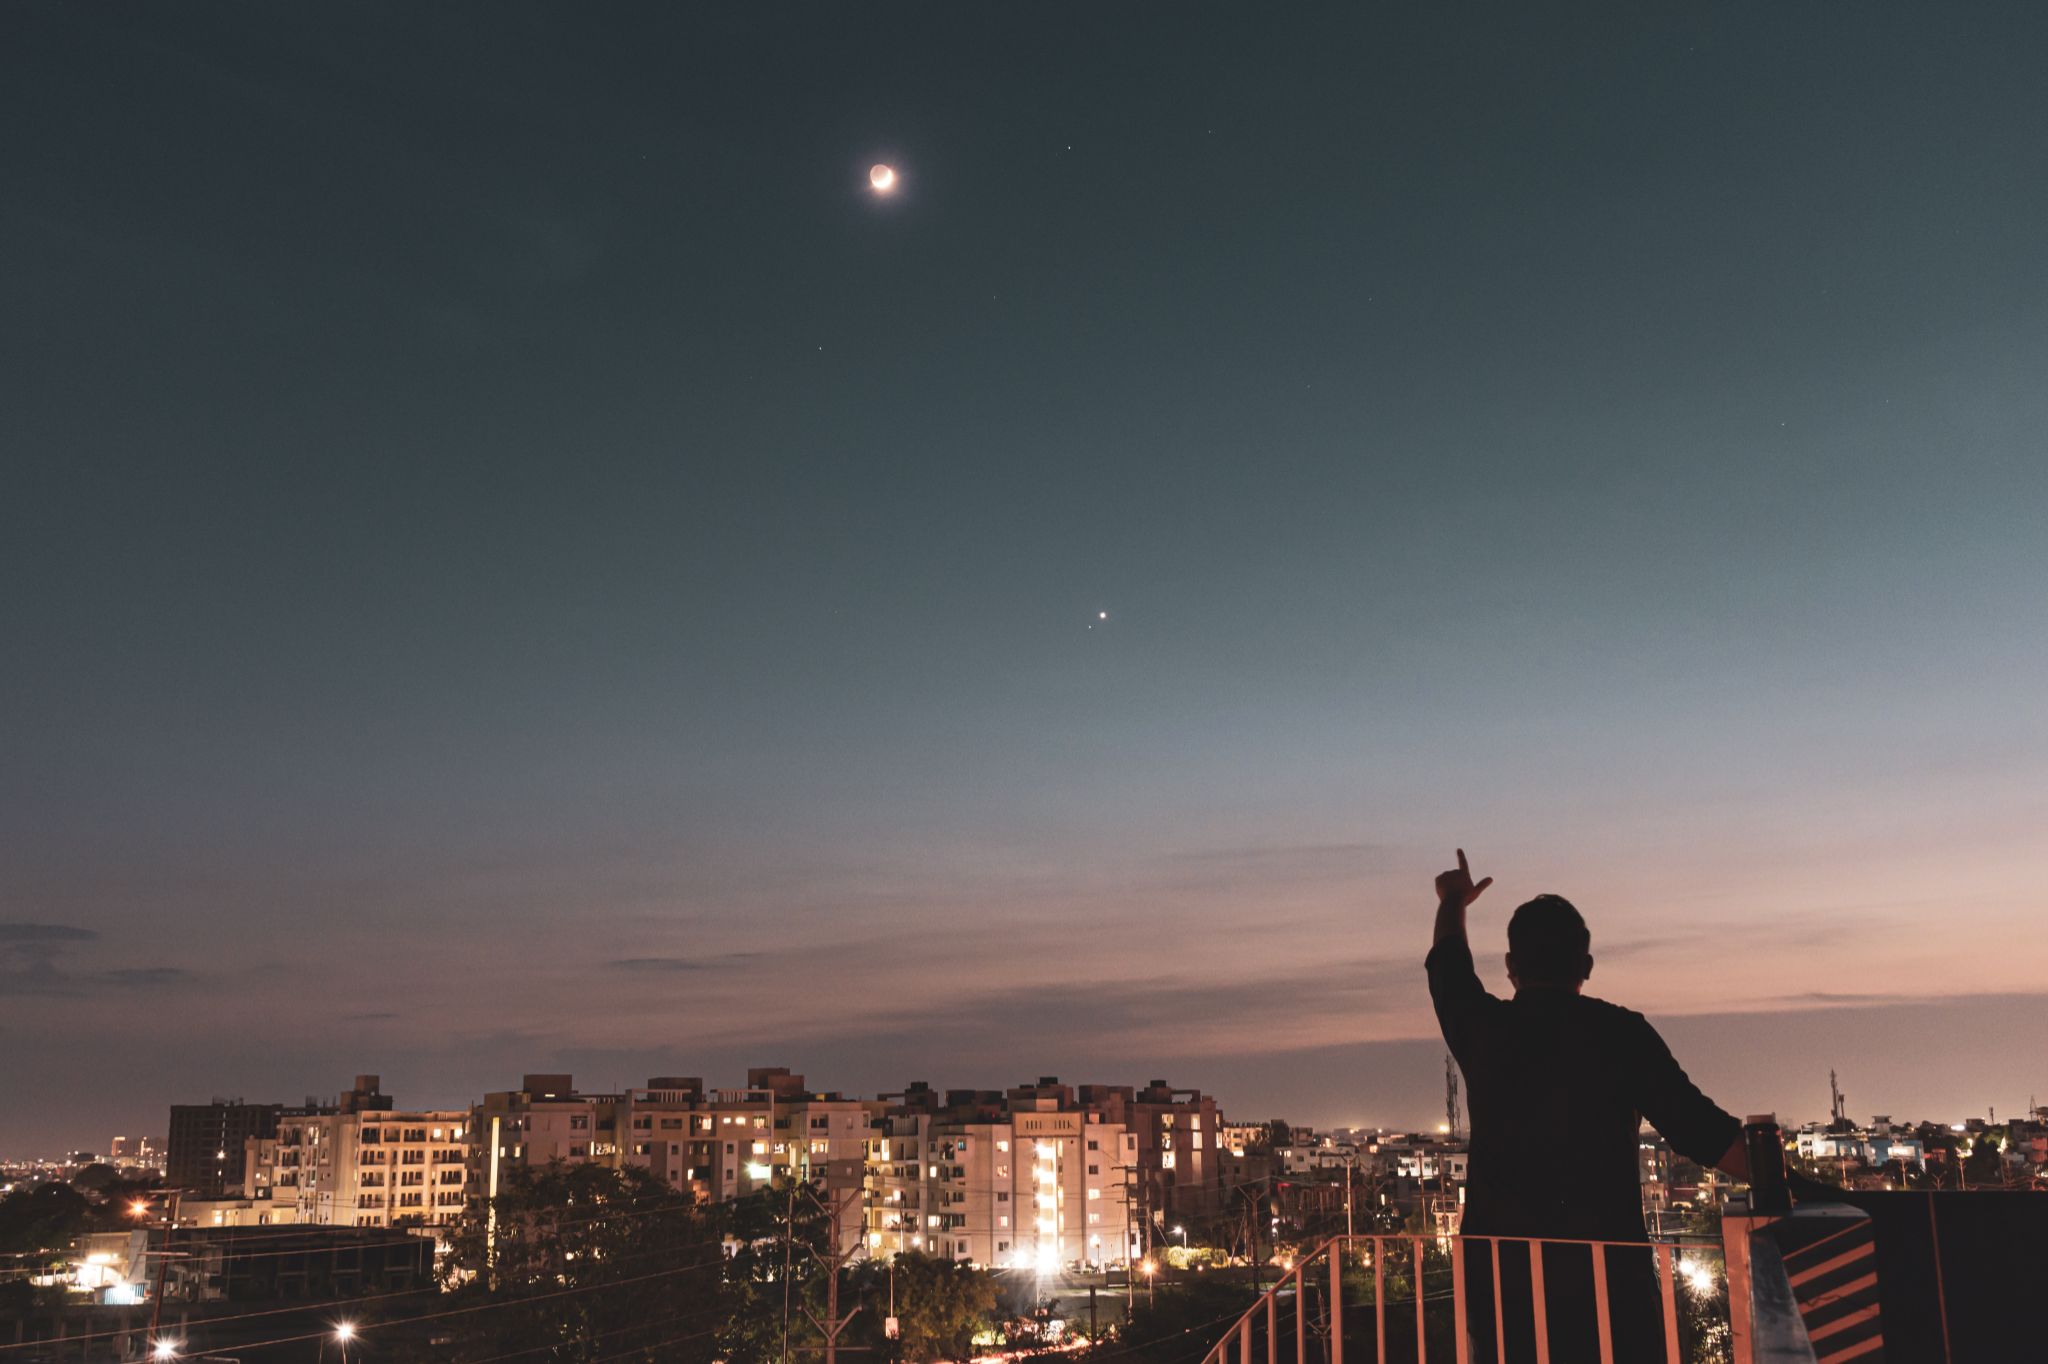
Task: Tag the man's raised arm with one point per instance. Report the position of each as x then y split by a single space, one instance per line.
1454 892
1454 986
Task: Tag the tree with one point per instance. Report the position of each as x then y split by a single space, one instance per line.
1984 1165
771 1276
941 1305
593 1262
43 1218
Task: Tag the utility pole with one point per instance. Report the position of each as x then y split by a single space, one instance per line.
833 1259
788 1264
1350 1179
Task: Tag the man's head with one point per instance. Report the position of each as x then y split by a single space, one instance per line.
1548 945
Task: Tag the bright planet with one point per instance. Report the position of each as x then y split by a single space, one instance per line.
883 178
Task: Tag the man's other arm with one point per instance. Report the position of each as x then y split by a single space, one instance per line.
1697 1128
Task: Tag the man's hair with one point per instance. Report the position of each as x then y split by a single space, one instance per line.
1550 941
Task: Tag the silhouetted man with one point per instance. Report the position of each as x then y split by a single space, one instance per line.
1559 1084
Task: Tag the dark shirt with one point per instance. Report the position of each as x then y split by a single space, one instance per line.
1558 1085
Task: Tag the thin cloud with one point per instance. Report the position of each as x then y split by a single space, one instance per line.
142 977
678 965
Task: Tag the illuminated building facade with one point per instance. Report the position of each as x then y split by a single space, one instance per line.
1024 1180
362 1163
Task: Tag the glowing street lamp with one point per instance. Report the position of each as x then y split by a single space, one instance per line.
164 1349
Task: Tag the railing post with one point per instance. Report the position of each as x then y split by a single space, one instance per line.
1500 1325
1460 1334
1601 1323
1337 1301
1421 1329
1244 1339
1379 1297
1273 1324
1670 1296
1537 1305
1735 1250
1301 1311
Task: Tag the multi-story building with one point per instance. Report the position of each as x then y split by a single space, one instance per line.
204 1156
1178 1174
1238 1138
724 1144
543 1121
1878 1144
360 1162
1028 1179
719 1144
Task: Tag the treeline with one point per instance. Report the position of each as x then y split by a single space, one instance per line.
576 1265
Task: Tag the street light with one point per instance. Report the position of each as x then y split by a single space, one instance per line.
344 1332
165 1349
1182 1232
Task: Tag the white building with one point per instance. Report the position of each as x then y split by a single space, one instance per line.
1033 1188
1878 1144
378 1168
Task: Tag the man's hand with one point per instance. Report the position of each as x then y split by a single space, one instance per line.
1455 887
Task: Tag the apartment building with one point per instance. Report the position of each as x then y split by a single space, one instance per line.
1026 1179
719 1144
363 1163
729 1143
544 1120
1178 1132
205 1153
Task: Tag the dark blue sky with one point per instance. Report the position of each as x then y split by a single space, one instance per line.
516 559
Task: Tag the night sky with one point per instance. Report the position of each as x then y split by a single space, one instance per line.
515 559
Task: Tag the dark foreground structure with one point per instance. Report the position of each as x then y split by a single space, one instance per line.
1833 1277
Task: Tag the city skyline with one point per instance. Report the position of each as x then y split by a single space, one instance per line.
521 560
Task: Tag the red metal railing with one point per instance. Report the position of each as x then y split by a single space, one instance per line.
1319 1332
